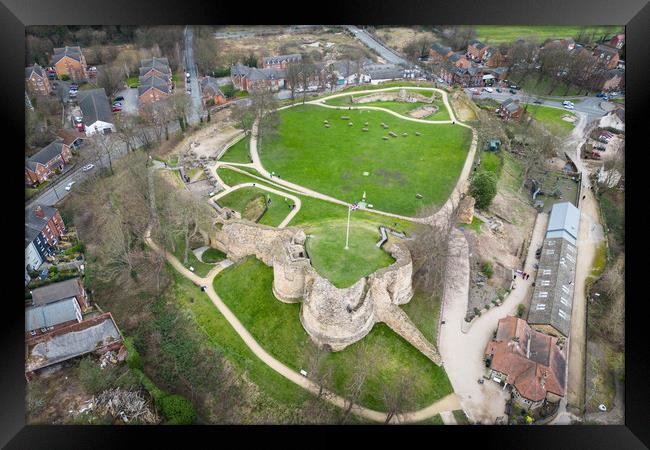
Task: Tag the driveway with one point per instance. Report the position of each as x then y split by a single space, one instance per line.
369 41
130 103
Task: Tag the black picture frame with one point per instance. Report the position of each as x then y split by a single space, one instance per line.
15 15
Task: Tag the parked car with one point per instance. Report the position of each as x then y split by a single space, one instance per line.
119 99
116 109
69 185
601 94
488 89
499 90
512 91
569 107
537 101
117 104
80 126
87 167
513 86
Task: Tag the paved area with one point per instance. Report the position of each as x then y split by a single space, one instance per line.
386 53
448 418
130 103
462 353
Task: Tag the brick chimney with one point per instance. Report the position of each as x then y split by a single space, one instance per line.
38 212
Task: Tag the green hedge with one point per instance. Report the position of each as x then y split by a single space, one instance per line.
178 410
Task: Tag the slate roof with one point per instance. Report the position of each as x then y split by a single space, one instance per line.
510 105
605 50
35 68
71 52
268 60
563 222
46 154
72 341
55 292
94 106
532 361
51 314
160 64
440 49
153 82
255 74
210 86
455 57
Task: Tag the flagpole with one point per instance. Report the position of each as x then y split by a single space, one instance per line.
347 233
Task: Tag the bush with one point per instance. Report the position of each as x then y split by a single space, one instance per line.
77 248
521 309
483 188
487 269
228 90
222 72
133 359
178 410
64 77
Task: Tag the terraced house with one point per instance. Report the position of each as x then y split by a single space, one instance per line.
43 230
281 61
41 166
71 62
37 80
153 88
251 78
552 301
155 67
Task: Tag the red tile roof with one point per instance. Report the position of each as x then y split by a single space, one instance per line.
532 361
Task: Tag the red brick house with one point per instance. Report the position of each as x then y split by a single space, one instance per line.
607 55
251 78
47 221
613 80
476 50
531 363
466 77
39 167
618 41
439 53
493 57
153 89
459 60
70 61
158 67
210 92
510 110
281 61
37 80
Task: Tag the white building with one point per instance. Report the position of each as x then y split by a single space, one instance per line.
96 112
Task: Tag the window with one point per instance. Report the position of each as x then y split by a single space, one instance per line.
565 289
550 251
540 307
564 301
563 314
546 272
543 294
545 282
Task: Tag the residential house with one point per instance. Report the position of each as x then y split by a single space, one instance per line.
466 77
377 73
618 41
439 53
210 91
73 138
155 67
97 335
459 60
531 363
39 167
510 110
281 61
96 111
44 228
612 80
45 318
476 50
37 80
349 72
70 61
493 57
567 43
615 119
72 288
153 88
251 78
552 300
607 55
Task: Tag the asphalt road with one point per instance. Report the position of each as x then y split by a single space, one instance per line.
386 53
588 105
190 66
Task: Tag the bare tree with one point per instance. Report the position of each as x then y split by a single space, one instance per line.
111 78
103 147
293 77
355 385
321 374
398 396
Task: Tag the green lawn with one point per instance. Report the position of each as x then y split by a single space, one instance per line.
275 213
435 420
326 248
499 33
200 268
545 87
424 311
460 417
620 100
332 161
475 225
133 81
399 107
246 289
491 162
212 256
238 153
551 118
30 192
403 83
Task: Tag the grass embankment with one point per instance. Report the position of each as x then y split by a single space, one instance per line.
424 311
246 200
212 256
333 160
239 152
552 120
200 268
246 289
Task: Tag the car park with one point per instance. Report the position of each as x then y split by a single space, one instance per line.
87 167
69 185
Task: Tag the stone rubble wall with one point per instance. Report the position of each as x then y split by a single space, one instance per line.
399 96
333 317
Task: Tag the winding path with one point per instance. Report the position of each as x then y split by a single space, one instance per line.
447 403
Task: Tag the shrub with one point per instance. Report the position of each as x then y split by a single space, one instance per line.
487 269
228 90
133 359
222 72
483 188
92 377
77 248
178 410
64 77
521 309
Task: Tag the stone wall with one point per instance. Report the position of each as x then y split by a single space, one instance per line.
333 317
402 95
